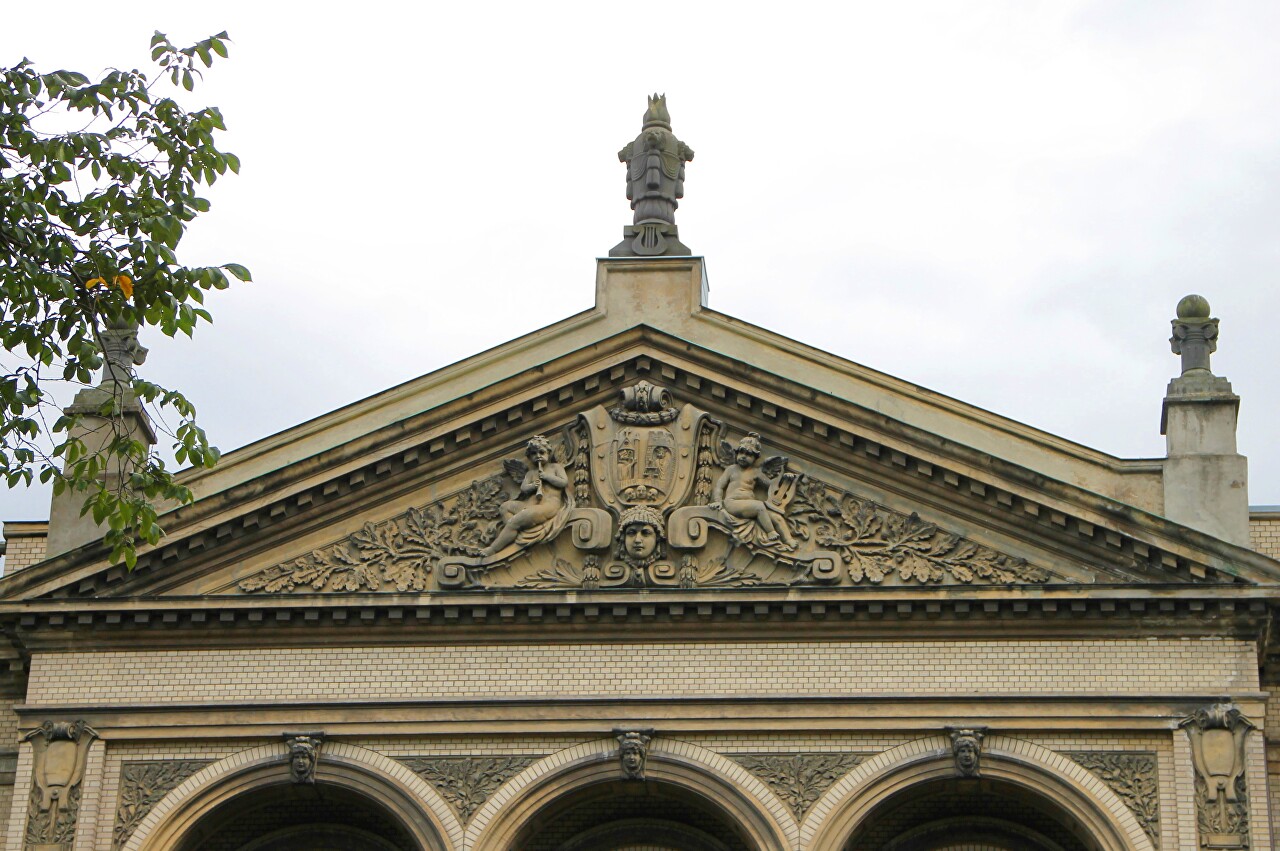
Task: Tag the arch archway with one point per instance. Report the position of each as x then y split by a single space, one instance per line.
691 798
1026 797
359 796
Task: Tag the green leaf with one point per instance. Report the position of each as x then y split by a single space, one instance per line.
78 254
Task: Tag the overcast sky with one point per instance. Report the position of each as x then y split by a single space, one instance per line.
1002 202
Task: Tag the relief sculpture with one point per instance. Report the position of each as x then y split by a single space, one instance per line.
540 510
59 754
1217 735
647 493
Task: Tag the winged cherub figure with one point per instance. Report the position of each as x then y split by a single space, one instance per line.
751 519
543 505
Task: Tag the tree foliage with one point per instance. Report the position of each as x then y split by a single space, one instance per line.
98 182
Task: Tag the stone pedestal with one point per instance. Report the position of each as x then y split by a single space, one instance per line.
68 527
1205 479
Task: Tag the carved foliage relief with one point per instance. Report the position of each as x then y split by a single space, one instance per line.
467 782
142 786
799 779
648 493
1132 776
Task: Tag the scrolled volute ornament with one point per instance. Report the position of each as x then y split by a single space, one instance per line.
645 404
304 756
966 749
633 751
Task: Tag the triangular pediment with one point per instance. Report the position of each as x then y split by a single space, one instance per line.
641 427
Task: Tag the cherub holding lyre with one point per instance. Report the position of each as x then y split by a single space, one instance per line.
540 510
752 520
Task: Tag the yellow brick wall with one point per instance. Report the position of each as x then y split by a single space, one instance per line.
8 744
1154 666
1264 534
1271 730
23 551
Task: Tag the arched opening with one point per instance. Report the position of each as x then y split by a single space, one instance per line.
967 813
299 817
628 816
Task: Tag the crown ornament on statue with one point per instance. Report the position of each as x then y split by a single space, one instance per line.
656 115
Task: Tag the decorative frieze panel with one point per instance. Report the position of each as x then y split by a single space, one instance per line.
467 782
1134 776
799 779
142 786
645 494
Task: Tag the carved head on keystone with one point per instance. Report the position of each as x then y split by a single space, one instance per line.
641 538
966 748
633 749
304 753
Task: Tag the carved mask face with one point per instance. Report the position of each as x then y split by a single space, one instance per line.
301 764
640 540
966 755
632 759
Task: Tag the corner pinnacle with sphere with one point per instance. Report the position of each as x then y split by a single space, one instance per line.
655 183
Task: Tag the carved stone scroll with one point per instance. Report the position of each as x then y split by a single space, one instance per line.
467 782
60 751
1217 734
799 779
142 786
1134 776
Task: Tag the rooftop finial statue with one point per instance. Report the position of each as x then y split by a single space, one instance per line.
655 183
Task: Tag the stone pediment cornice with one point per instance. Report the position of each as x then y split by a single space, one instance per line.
1118 542
1074 612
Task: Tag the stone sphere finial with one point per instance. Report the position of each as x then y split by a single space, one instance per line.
1193 307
